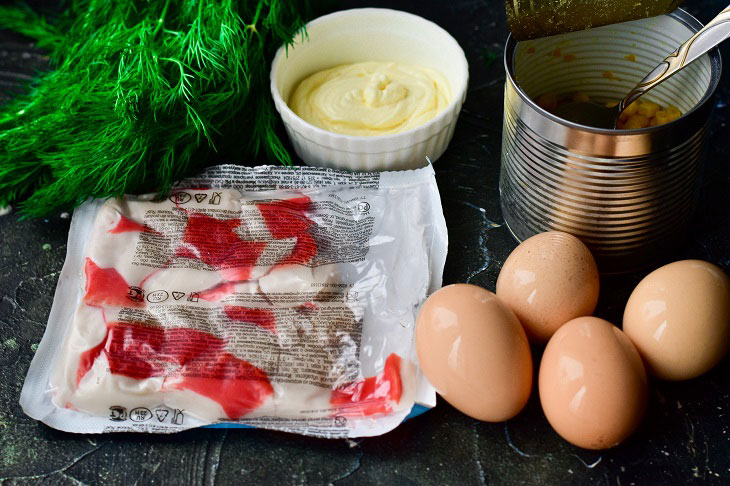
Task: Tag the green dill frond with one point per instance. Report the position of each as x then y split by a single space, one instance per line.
140 94
23 20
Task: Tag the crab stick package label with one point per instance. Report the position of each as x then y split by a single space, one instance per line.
250 297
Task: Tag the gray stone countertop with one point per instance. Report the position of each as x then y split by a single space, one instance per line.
684 439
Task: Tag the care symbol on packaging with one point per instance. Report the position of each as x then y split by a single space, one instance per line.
140 414
117 413
193 297
200 197
178 295
215 199
161 414
177 417
135 294
157 296
180 197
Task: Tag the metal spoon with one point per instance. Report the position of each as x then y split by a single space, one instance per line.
599 116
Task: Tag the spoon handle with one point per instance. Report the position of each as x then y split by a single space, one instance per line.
716 31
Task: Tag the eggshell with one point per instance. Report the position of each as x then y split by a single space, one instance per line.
679 319
592 383
548 280
474 351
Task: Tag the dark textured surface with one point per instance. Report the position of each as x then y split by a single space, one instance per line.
684 439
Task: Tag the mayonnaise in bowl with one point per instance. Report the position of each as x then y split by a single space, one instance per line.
371 98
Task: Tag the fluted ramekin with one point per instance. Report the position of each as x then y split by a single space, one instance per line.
370 34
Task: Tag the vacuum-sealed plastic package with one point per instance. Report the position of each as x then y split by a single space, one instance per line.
265 297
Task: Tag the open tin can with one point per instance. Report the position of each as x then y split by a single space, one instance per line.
627 194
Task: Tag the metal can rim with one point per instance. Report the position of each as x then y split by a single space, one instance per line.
680 15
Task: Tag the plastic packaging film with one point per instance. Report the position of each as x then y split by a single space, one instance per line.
532 19
265 297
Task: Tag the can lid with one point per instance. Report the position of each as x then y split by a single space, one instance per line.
532 19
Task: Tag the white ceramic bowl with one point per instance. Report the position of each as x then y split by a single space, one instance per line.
370 34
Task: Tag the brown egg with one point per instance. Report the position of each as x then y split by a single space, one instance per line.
548 280
592 383
474 351
679 319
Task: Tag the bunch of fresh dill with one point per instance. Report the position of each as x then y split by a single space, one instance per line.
141 92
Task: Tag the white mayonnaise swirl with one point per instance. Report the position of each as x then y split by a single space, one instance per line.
370 98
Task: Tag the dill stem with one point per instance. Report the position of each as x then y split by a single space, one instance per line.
256 15
163 14
6 117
